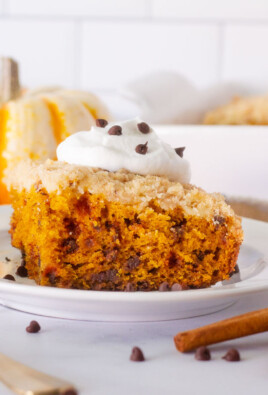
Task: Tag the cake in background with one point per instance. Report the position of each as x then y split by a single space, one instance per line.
34 122
240 111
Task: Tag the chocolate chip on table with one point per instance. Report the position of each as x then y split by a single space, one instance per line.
176 287
179 151
33 327
137 355
164 287
101 123
69 391
232 355
202 354
143 127
22 271
142 148
115 130
7 259
9 277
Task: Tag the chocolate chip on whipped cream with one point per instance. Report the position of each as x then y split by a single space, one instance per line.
99 148
179 151
101 123
115 130
142 148
143 127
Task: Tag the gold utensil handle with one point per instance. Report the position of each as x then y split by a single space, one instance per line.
24 380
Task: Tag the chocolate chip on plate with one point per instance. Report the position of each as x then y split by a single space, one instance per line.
69 391
101 123
9 277
232 355
179 151
143 127
137 355
164 287
22 271
7 259
115 130
33 327
142 148
202 354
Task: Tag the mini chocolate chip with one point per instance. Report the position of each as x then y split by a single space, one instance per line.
132 263
199 254
71 245
115 130
137 355
142 148
33 327
143 127
176 287
129 287
7 259
22 271
179 151
202 354
143 286
69 391
178 231
101 123
235 271
218 220
52 277
105 276
164 287
9 277
232 355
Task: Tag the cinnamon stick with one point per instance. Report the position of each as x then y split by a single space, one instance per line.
232 328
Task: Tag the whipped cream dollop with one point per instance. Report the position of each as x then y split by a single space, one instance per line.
131 145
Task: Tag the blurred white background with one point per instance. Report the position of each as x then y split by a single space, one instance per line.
102 44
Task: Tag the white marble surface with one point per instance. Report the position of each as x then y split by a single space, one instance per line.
95 356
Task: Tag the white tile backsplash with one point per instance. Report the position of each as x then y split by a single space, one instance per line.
45 50
211 9
245 57
101 44
73 8
114 53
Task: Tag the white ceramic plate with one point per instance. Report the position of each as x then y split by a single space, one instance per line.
24 295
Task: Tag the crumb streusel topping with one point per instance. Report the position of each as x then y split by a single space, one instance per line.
121 186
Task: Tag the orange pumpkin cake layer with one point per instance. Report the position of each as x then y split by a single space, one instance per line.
80 227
